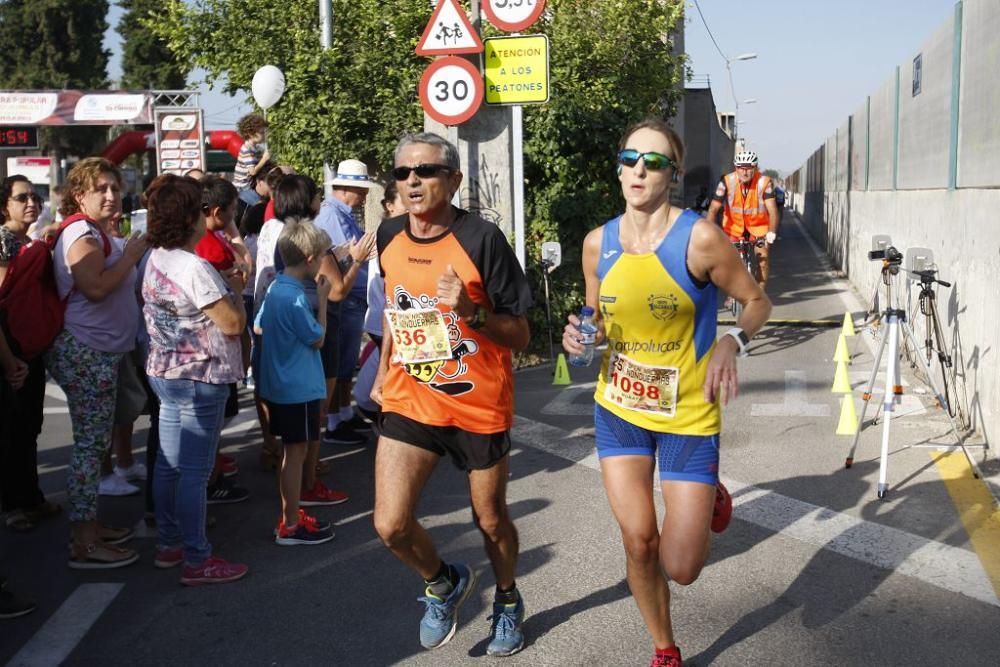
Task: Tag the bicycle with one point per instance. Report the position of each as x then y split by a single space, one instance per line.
748 256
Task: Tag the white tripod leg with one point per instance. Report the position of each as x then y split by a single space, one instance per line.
866 397
889 400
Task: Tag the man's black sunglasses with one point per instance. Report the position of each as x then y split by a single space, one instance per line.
423 171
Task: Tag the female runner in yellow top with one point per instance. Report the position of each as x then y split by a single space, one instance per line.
652 277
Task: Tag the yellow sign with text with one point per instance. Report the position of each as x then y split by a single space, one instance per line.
517 69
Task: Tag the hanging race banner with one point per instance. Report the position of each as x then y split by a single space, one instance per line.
180 141
75 107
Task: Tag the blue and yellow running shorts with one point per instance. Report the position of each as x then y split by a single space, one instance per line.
690 458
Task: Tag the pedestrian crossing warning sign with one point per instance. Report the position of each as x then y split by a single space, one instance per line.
516 69
449 32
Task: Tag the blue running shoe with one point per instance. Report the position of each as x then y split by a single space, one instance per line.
441 617
506 637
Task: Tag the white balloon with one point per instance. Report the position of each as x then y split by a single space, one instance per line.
268 86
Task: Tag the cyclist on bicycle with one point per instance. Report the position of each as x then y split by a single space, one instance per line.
746 198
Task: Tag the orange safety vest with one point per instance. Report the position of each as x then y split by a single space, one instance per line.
746 211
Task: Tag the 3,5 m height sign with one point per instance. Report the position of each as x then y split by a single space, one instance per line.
513 15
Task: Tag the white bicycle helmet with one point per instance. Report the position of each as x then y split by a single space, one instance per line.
746 157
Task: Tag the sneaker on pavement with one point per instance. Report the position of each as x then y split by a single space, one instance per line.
441 616
304 532
506 637
224 491
12 606
228 468
670 657
116 485
358 423
321 495
306 519
134 473
213 571
343 435
723 511
227 458
167 557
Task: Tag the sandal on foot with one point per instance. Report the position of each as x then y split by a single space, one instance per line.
42 511
112 535
99 556
19 522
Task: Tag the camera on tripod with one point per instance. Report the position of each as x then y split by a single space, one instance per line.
882 248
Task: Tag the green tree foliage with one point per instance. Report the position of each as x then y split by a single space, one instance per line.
146 60
56 44
611 65
352 100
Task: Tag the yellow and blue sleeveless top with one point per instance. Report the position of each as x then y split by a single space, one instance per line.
661 326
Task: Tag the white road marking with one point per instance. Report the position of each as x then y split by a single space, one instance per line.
794 404
52 390
932 562
54 642
565 401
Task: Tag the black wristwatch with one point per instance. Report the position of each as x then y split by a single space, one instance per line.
478 318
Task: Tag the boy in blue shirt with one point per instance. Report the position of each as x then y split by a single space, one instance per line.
291 380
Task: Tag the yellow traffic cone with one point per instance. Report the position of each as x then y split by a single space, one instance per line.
848 417
842 354
841 383
562 371
848 328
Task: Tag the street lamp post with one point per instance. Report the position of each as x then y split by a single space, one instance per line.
732 88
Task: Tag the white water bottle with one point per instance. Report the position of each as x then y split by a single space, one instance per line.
588 333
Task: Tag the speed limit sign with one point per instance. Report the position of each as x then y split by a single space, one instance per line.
513 15
451 90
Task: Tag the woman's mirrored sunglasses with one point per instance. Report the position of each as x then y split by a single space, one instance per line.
653 161
423 171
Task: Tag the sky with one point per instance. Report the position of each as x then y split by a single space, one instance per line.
221 110
816 62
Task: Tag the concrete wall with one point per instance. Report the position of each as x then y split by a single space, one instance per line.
967 255
881 129
908 151
925 119
859 147
708 149
978 138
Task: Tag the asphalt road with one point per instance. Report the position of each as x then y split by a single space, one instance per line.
814 570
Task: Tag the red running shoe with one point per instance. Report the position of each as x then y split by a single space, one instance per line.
723 511
213 571
226 459
667 657
228 466
321 495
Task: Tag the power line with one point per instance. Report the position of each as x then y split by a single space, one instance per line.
709 31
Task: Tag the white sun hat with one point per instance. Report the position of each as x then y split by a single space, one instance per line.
352 174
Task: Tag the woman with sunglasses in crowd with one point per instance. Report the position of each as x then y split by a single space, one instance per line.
664 376
21 421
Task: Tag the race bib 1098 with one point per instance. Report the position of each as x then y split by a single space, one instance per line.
636 386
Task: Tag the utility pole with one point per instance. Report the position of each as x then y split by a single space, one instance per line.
326 42
485 148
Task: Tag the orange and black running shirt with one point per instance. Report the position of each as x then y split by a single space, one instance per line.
474 390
